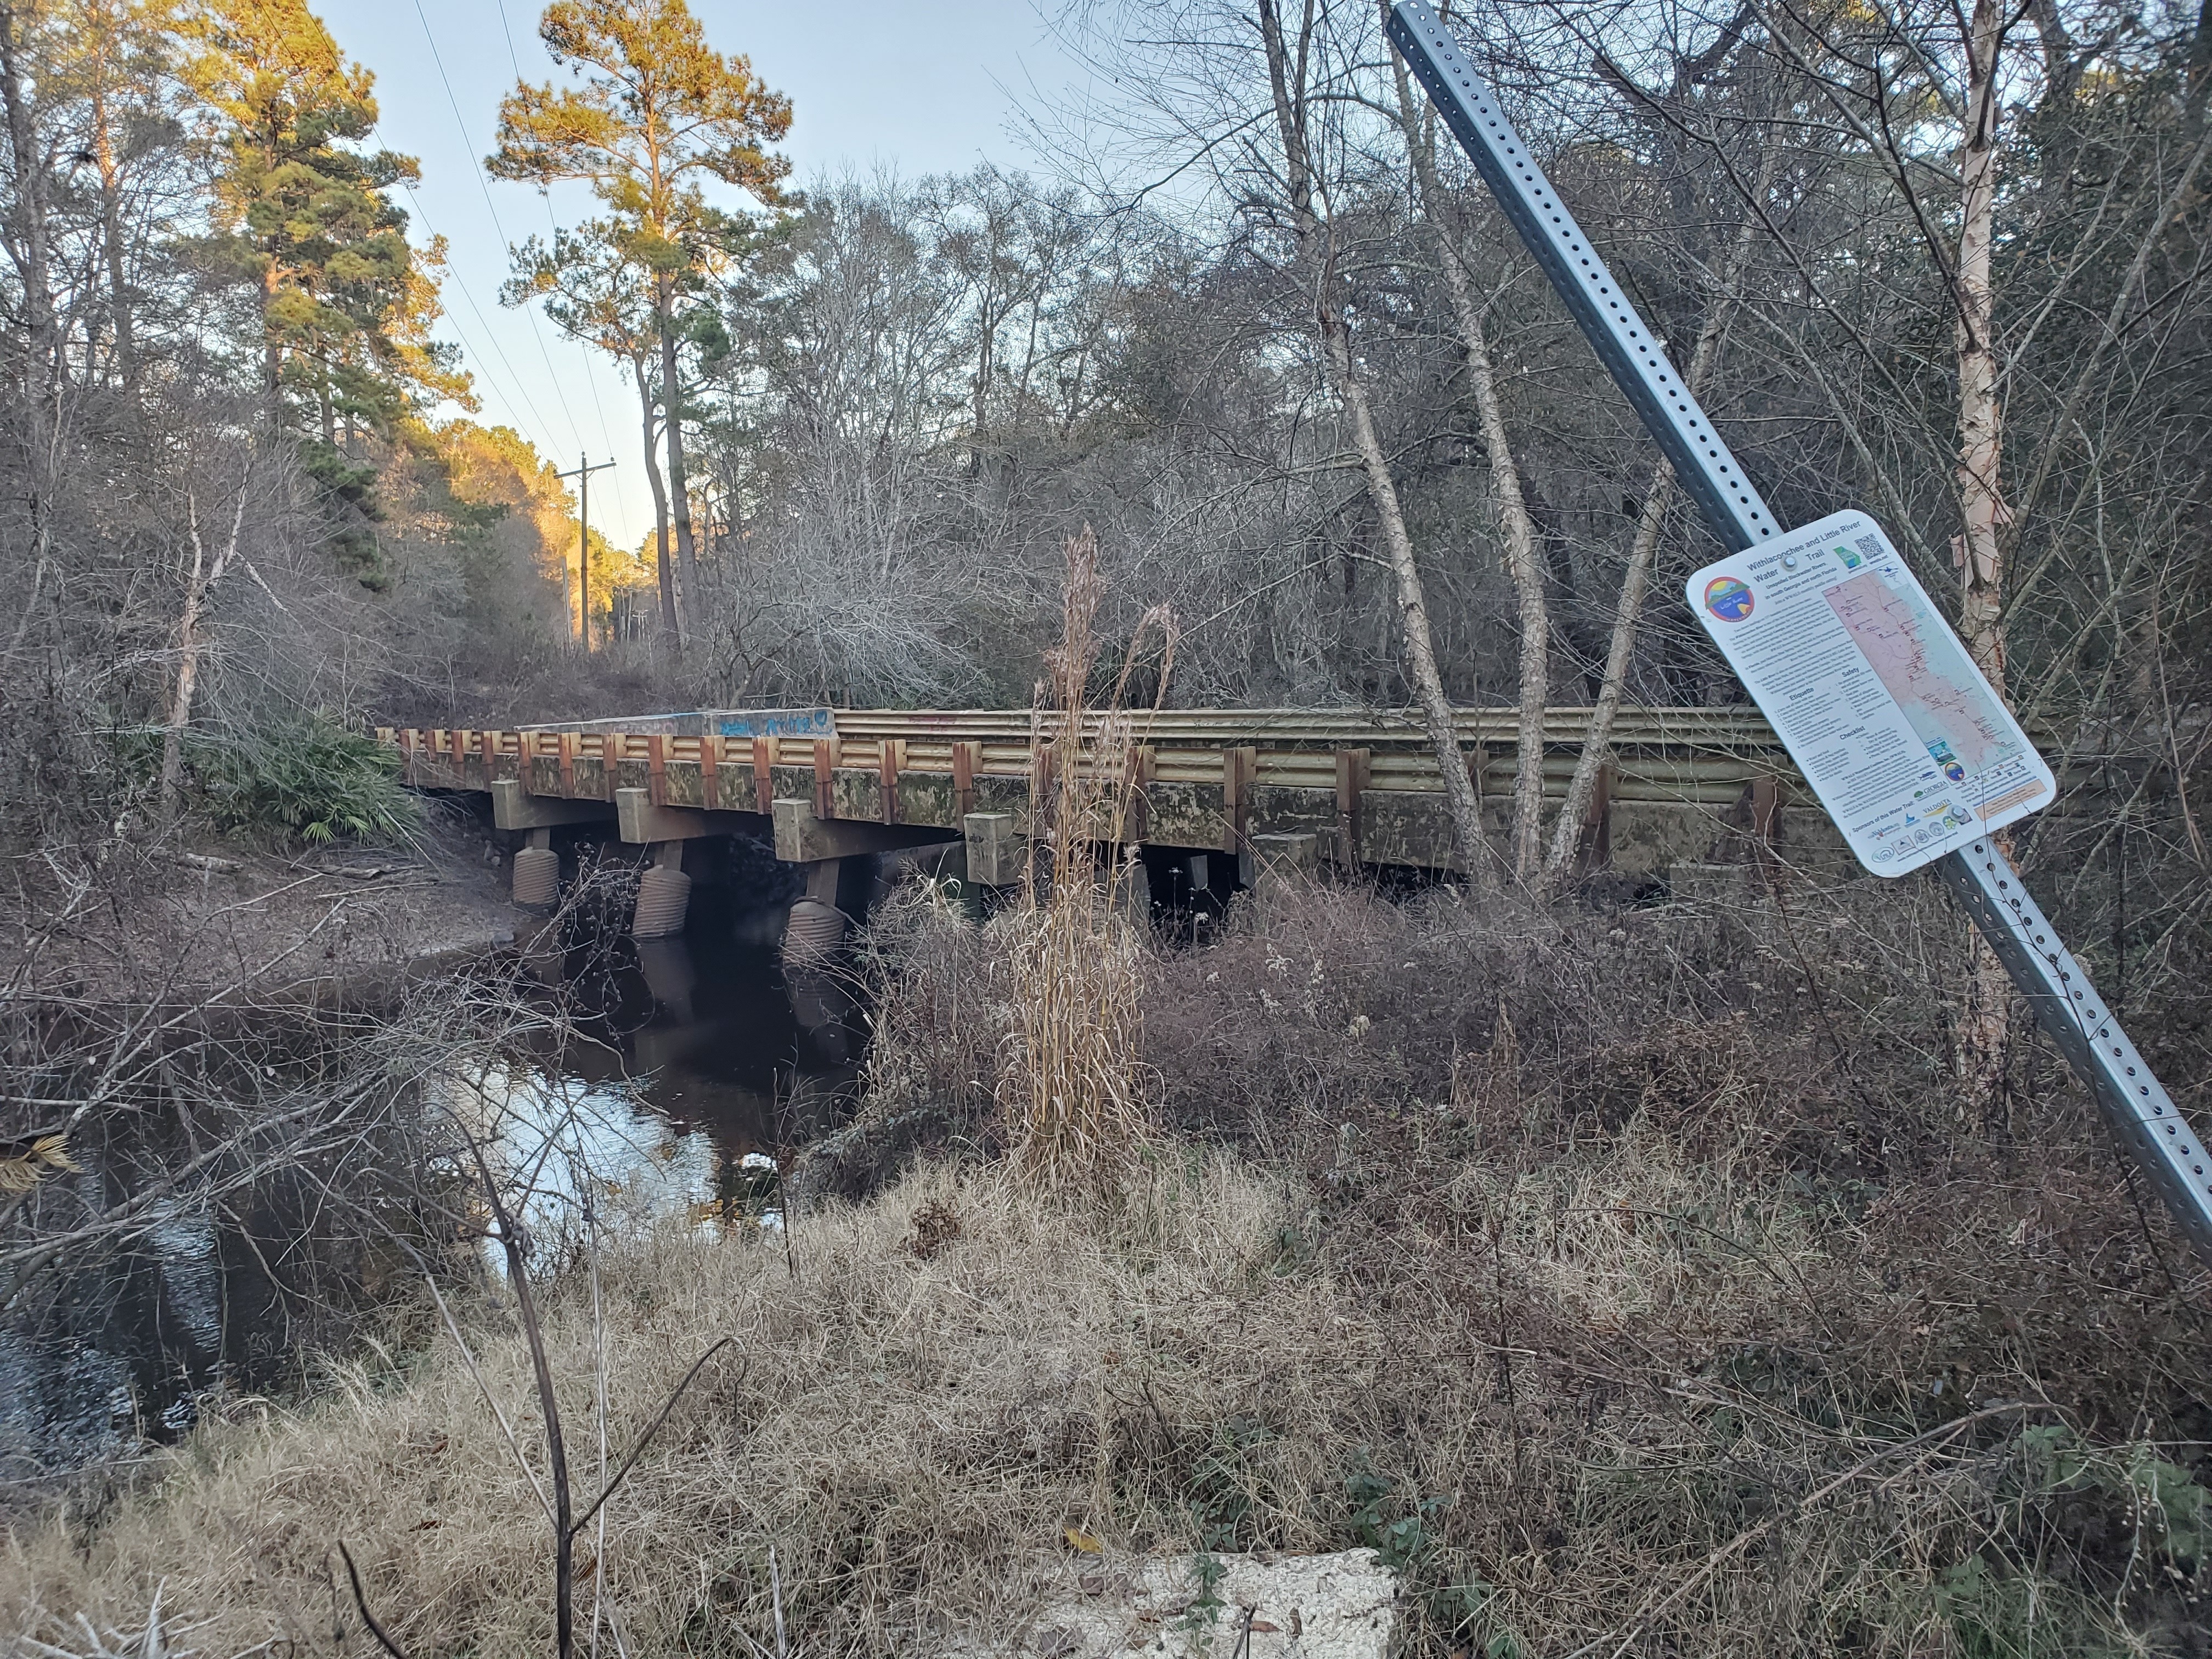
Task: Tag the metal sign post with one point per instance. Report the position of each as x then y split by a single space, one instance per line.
2146 1118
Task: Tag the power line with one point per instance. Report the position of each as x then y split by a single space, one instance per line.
460 282
599 408
575 433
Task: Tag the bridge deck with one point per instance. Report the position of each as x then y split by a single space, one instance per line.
1365 782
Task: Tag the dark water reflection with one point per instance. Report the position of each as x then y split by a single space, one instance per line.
694 1066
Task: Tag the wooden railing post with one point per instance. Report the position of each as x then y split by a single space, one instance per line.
710 770
888 764
966 757
1237 767
1353 769
825 780
656 768
763 782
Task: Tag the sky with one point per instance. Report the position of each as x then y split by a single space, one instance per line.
922 85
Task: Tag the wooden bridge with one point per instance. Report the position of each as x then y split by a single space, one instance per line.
1348 786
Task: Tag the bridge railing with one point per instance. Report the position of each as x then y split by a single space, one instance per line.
1366 781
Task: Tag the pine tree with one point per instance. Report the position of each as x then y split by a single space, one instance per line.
346 305
658 112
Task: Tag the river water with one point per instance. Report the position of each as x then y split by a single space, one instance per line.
696 1067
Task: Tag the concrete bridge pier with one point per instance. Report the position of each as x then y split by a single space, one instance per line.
1273 864
664 890
1132 886
536 866
536 872
663 893
836 852
997 852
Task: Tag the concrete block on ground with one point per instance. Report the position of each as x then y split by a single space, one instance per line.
997 853
1343 1606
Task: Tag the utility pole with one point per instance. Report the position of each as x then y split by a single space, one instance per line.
1978 874
582 474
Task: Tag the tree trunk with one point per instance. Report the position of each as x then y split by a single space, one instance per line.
1981 611
30 205
1288 77
111 230
670 623
1514 519
679 489
272 356
38 388
1597 736
198 586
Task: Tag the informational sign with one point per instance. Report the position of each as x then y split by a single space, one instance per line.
1871 691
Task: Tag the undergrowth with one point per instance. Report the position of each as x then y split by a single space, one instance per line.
308 781
1563 1258
302 780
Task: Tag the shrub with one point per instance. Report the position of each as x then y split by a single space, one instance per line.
307 781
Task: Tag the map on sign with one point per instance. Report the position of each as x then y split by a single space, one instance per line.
1898 731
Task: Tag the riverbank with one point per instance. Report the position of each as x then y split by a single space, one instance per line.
1566 1264
184 923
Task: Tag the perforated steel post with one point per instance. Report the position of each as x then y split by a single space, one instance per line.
2082 1023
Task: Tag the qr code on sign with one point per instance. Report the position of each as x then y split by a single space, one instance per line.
1870 545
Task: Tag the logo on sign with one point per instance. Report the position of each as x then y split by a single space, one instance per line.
1728 598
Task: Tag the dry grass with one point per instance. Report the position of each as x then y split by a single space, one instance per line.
1072 1084
1562 1261
1704 1264
949 1376
1623 1417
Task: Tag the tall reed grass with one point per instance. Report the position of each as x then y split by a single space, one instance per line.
1072 1084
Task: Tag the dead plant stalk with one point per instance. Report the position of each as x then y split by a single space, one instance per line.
1071 1086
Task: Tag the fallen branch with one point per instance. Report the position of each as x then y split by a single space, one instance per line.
383 1635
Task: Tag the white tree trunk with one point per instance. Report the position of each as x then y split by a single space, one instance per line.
1521 559
1981 618
1643 550
198 586
1982 512
1286 72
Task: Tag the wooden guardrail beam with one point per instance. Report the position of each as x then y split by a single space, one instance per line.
1364 781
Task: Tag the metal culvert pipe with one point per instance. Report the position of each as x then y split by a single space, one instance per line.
663 895
812 935
536 878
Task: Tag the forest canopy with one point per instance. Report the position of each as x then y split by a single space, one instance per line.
1253 319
